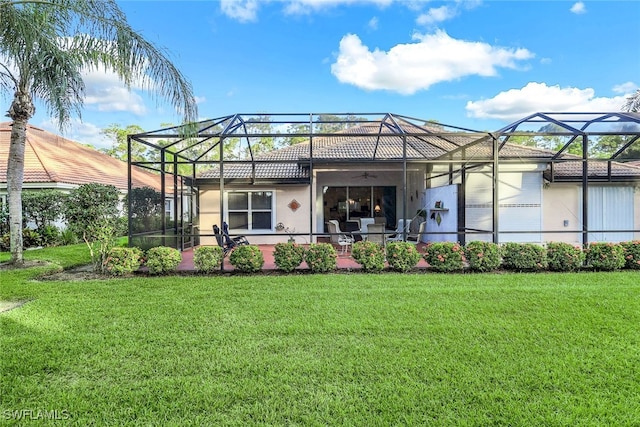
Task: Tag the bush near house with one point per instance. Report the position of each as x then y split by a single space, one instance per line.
247 259
605 256
369 255
208 259
524 257
564 256
321 257
444 256
163 260
631 254
288 256
402 256
482 256
121 261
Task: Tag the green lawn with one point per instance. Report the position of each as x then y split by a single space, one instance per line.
354 349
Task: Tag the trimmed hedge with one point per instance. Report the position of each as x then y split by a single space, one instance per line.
121 261
524 257
208 258
564 256
321 257
402 256
288 256
444 256
482 256
631 254
369 255
605 256
163 260
247 259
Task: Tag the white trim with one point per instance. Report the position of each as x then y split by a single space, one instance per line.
263 190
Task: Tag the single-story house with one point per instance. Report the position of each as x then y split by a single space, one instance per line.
396 167
54 162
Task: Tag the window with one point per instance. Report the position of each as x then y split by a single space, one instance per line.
250 210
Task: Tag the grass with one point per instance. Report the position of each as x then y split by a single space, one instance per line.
361 349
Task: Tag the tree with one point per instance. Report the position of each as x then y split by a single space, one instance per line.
632 104
91 211
118 136
42 206
45 45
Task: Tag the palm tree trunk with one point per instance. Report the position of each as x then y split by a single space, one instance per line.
21 111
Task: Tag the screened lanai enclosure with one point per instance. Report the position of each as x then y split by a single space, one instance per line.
571 177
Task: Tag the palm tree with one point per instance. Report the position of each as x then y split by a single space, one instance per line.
44 47
633 103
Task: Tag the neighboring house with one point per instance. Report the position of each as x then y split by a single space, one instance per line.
54 162
394 167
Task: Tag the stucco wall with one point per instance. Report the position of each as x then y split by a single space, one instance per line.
298 220
561 202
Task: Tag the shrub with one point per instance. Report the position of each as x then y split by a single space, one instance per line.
369 255
31 238
482 256
247 259
121 261
631 254
288 256
162 260
605 256
444 256
50 235
208 258
321 257
68 237
524 257
564 256
402 256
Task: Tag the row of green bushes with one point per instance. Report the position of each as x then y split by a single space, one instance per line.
47 236
400 256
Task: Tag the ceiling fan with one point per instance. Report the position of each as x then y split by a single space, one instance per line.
366 175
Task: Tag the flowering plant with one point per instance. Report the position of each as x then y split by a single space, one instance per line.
605 256
631 254
288 256
369 255
564 256
402 256
444 256
524 256
321 257
482 256
247 259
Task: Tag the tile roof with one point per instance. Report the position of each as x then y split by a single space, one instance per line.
50 158
380 141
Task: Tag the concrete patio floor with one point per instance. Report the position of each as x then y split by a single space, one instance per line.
344 261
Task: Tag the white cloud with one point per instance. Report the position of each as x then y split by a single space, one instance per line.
241 10
304 7
373 23
536 97
106 92
436 15
200 99
82 132
578 8
625 88
408 68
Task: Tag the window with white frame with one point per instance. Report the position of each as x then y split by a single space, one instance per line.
250 210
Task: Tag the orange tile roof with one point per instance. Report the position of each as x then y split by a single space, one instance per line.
50 158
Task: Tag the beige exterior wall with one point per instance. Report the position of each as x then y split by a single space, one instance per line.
561 201
298 220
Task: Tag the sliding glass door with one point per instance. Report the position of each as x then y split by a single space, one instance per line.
351 203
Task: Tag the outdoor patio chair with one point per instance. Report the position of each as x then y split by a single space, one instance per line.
375 233
417 238
338 237
403 225
226 242
364 222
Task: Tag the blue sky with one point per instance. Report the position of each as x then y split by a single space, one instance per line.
476 64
